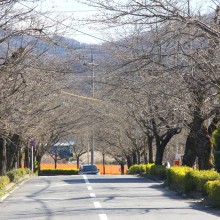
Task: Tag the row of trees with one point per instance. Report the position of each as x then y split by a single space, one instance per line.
156 85
162 79
32 76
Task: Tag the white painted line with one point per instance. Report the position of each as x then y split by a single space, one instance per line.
86 179
13 189
103 217
92 195
4 197
97 205
89 188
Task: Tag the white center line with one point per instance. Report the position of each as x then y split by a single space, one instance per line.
97 205
86 179
103 217
89 188
92 195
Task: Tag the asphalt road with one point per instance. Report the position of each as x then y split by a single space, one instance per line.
99 198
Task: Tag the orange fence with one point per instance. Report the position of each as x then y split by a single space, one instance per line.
109 169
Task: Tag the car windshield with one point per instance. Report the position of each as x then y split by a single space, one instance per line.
89 168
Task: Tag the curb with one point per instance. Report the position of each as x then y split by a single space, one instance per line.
11 187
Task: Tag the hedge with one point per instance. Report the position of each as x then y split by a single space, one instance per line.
54 172
136 169
176 176
12 176
139 168
158 170
4 180
196 179
150 169
15 174
213 191
188 179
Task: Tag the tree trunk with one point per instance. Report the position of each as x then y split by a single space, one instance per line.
26 157
129 161
103 163
199 144
134 157
161 143
77 162
145 152
189 156
38 159
204 149
159 155
55 160
12 152
150 148
3 158
122 168
138 157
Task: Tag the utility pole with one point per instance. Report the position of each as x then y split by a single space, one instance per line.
188 5
93 65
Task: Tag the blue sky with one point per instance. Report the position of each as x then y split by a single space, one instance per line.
67 8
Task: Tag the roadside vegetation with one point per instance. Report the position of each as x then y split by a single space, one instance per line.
13 176
184 180
153 95
54 172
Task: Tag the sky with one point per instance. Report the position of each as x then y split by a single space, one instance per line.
67 8
82 33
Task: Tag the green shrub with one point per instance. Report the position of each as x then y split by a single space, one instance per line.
158 170
148 167
213 191
136 169
15 174
54 172
216 142
196 179
176 175
4 180
141 168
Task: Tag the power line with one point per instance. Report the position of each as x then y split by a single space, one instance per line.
78 11
82 97
67 26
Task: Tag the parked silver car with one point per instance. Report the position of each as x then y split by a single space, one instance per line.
89 169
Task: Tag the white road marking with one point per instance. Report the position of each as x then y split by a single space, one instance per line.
3 198
92 195
86 179
97 205
89 188
103 217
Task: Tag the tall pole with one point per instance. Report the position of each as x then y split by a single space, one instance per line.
93 65
93 90
32 158
32 144
188 5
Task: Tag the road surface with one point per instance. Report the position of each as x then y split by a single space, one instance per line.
99 198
